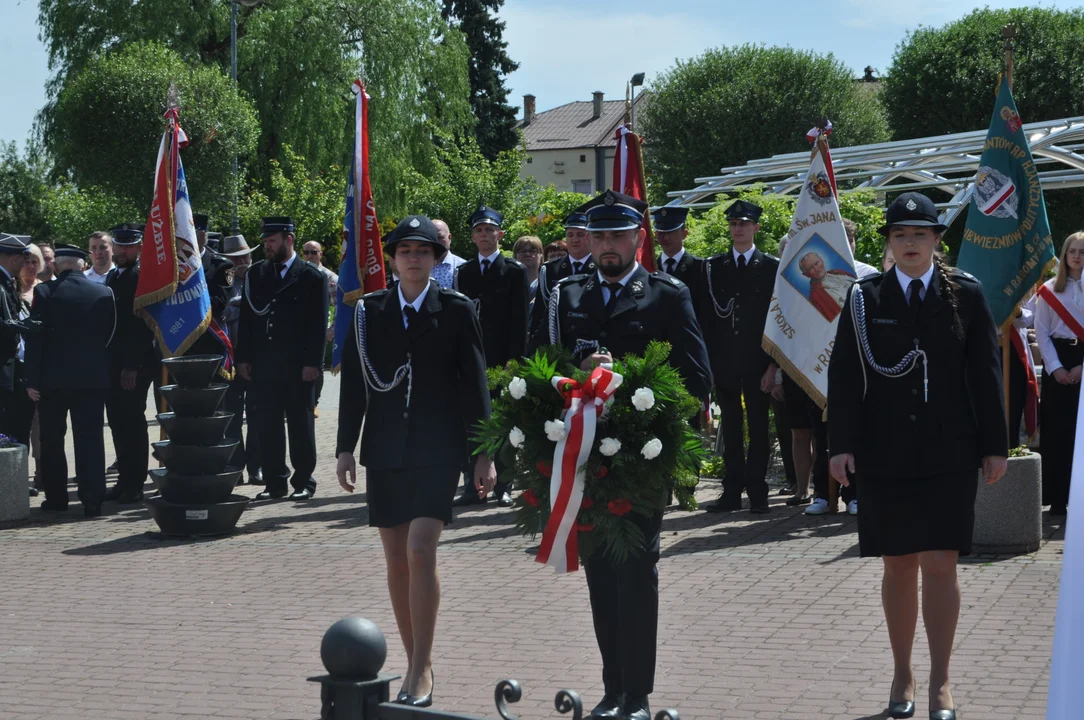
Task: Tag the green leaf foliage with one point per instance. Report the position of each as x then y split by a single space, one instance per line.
548 208
74 213
23 182
735 104
107 125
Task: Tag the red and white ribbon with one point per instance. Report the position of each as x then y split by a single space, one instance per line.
584 403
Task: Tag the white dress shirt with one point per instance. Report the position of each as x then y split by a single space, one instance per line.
864 270
748 254
92 274
582 261
623 281
905 282
677 259
403 304
286 265
491 258
1049 325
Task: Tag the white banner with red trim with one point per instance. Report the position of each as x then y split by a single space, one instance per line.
584 403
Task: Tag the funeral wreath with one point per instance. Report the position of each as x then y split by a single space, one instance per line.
592 451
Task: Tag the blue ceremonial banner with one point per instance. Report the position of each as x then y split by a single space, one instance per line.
1006 241
349 282
172 294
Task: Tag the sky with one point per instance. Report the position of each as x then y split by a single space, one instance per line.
568 49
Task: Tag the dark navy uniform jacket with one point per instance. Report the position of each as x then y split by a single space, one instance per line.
734 341
503 295
133 342
896 430
551 272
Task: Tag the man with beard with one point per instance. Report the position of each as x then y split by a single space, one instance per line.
827 288
626 307
281 352
237 251
133 362
576 262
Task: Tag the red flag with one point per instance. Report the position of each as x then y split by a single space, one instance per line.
158 266
629 179
371 254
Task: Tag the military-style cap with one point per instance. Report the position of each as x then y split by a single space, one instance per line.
613 211
14 244
214 240
234 246
415 227
744 210
272 225
201 222
128 234
913 209
576 219
669 218
486 215
70 251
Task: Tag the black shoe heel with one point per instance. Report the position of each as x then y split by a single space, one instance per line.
900 708
423 700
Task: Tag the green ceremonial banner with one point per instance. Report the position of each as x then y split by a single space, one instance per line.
1007 239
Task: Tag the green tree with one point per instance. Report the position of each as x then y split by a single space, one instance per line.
107 125
23 182
74 213
489 64
464 179
735 104
296 62
548 208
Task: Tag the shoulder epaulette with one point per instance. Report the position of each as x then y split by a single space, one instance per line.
965 274
375 294
667 278
573 278
515 262
456 293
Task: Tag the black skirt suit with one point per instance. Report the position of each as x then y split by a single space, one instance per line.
918 454
413 451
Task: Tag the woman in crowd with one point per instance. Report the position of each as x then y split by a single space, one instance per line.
914 385
1060 300
28 280
415 373
556 249
528 250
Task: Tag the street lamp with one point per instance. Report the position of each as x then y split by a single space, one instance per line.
637 81
235 228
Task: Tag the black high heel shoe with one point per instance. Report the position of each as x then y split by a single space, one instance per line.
423 700
900 708
943 714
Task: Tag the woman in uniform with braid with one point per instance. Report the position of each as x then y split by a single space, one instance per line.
414 371
916 407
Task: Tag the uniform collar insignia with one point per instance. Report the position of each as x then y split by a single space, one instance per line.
590 285
637 286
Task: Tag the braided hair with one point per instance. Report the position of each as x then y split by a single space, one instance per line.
950 289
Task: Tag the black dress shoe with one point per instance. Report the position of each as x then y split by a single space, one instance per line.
51 506
635 707
468 498
302 494
33 492
113 494
799 500
256 478
609 707
943 714
423 700
92 511
759 510
900 708
271 495
112 469
725 504
130 497
1057 511
504 500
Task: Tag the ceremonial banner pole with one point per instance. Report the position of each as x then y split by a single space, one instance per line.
1007 33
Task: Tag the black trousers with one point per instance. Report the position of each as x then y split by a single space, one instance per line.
16 409
743 474
239 402
1057 408
625 611
126 411
294 401
786 440
87 408
821 456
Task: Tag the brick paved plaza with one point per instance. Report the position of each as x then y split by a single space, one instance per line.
761 617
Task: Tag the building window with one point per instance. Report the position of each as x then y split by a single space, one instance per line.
581 186
583 158
529 159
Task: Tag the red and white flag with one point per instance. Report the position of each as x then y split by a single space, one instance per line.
629 179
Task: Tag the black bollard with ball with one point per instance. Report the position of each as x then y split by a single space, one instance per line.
353 652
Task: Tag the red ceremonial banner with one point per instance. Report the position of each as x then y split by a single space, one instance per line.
629 179
371 255
158 260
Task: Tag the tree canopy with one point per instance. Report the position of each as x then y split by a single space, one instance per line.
734 104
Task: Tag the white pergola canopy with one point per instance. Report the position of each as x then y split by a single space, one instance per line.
946 163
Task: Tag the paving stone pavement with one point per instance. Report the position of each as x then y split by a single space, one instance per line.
765 617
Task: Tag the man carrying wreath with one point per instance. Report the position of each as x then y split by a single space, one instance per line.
611 312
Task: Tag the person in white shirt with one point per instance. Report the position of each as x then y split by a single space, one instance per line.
100 245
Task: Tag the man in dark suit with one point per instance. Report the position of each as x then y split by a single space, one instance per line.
670 234
16 408
623 307
133 361
500 289
738 292
78 318
281 352
577 261
218 272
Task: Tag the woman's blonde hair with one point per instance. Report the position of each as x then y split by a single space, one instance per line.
527 241
1063 269
36 252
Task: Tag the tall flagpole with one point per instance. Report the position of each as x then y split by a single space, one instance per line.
1008 33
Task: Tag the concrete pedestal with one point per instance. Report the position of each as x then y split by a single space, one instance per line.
1008 514
14 484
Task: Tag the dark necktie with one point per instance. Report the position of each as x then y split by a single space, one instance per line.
279 267
615 290
915 302
741 262
670 264
577 267
411 315
485 266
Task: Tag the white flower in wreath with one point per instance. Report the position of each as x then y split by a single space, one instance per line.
516 437
652 448
609 446
555 430
517 388
643 399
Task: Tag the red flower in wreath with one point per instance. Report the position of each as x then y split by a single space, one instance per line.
586 503
620 506
531 498
602 472
585 527
545 468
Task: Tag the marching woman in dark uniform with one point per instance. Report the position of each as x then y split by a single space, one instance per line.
914 388
414 370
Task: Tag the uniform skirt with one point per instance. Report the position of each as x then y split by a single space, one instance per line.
401 495
900 516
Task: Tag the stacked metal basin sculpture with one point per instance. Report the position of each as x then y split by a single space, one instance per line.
196 485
